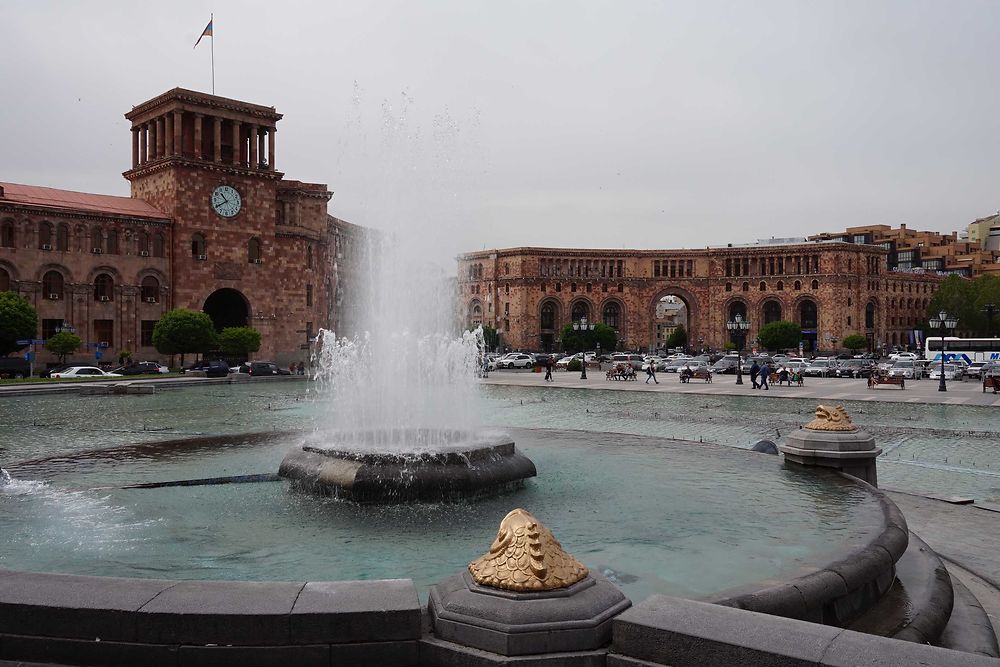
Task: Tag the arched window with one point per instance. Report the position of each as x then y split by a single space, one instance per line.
807 314
199 249
4 281
612 315
729 287
144 244
621 287
746 287
815 284
737 308
309 256
150 289
581 310
7 234
780 286
45 236
870 315
549 316
763 286
62 237
96 240
253 251
476 314
112 248
772 311
159 245
52 285
104 287
797 286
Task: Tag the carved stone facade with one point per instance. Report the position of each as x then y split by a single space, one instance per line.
111 266
831 289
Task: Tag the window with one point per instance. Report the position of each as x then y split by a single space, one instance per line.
45 235
506 308
621 287
612 314
253 251
506 289
52 285
150 289
112 248
848 320
589 288
549 316
4 281
199 248
763 286
309 256
746 287
146 332
581 310
62 237
7 234
309 295
50 328
780 286
104 332
729 287
815 284
97 240
506 269
144 244
558 287
572 287
159 245
104 288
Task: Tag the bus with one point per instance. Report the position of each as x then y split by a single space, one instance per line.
966 349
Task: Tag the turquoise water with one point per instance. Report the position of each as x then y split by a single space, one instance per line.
656 515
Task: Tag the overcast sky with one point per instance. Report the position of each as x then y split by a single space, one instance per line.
493 124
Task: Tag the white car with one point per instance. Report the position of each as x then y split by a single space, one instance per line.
820 368
83 372
564 362
517 360
901 356
904 368
951 372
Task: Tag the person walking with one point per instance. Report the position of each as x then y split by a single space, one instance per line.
651 373
548 369
765 372
754 372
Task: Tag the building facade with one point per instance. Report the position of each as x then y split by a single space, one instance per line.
831 289
210 225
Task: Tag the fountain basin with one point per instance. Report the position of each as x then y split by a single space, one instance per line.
409 465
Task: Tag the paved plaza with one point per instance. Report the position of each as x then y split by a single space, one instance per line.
969 392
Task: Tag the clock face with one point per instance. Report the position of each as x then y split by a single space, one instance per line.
226 201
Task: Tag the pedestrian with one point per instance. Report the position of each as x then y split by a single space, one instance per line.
765 372
651 373
754 372
486 367
548 369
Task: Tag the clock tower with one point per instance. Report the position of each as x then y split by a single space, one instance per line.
246 246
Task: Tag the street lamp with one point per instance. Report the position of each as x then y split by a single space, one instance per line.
701 345
738 328
945 323
990 309
65 326
583 325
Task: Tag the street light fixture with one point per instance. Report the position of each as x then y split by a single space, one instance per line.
583 325
738 328
945 323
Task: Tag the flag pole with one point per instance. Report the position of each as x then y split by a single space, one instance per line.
212 21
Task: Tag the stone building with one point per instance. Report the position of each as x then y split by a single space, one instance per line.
831 289
210 225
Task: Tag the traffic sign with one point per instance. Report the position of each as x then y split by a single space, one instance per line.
23 342
97 354
27 341
28 356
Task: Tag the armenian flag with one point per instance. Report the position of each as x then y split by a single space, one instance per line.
207 32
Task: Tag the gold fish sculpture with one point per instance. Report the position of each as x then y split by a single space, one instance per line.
831 419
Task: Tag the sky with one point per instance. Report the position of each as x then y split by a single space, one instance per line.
470 124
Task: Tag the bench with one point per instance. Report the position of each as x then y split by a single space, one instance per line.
875 380
621 372
790 377
991 383
700 374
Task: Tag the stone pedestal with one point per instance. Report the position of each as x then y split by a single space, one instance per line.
852 452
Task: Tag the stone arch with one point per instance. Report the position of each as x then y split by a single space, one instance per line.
771 310
581 307
12 271
806 313
659 328
104 287
53 284
6 280
608 314
149 288
871 308
549 321
8 233
62 269
104 268
227 307
46 234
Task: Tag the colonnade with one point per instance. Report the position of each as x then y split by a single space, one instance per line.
177 133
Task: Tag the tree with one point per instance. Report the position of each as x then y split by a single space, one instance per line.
239 341
855 342
18 321
780 335
182 331
965 299
62 344
585 341
677 338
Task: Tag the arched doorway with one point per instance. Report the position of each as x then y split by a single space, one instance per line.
227 308
771 311
548 325
581 311
736 307
669 315
808 320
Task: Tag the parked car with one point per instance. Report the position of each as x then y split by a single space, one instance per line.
951 372
14 367
821 368
142 368
633 360
975 369
760 359
260 368
83 372
563 363
896 356
517 360
905 368
213 368
853 368
726 365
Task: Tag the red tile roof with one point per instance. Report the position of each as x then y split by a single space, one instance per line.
33 195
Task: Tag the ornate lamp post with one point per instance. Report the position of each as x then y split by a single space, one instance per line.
738 328
945 323
701 345
990 309
583 325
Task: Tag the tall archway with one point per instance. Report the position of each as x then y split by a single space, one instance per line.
475 313
771 311
809 321
548 320
227 308
581 310
735 307
669 308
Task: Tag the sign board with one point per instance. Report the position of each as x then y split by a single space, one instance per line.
22 342
28 356
98 354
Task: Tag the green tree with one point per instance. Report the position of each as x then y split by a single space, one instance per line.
780 335
855 342
18 320
239 341
62 344
586 341
966 299
677 338
183 331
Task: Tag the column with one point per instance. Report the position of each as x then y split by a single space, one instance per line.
135 147
178 133
161 136
168 135
198 154
237 144
151 143
142 144
270 146
253 146
260 143
217 139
